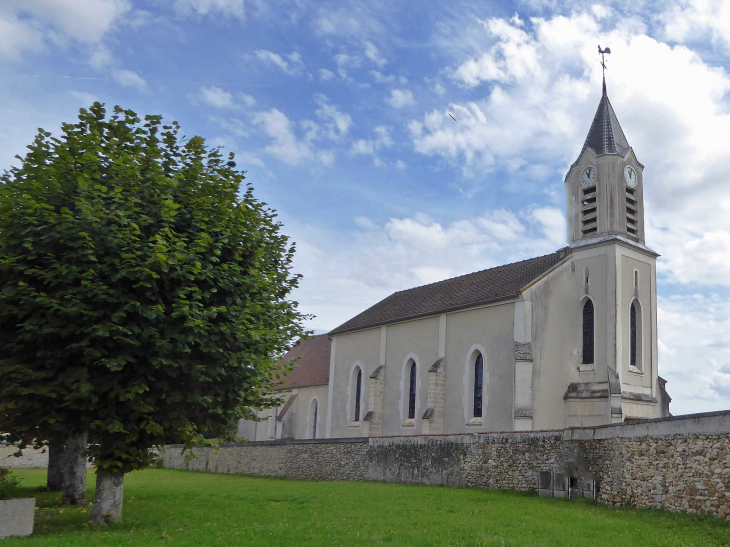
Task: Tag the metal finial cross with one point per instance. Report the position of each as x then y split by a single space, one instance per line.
603 53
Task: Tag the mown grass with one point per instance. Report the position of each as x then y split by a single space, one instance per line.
199 509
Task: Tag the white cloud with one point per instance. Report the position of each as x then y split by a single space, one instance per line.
247 99
86 99
325 74
227 8
216 97
19 36
695 20
291 65
286 146
382 78
355 21
128 78
439 89
359 268
400 98
344 60
26 25
336 123
400 164
369 146
294 149
372 53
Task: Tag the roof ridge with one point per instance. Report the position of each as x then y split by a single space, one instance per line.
478 271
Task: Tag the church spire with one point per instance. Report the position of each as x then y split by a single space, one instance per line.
605 135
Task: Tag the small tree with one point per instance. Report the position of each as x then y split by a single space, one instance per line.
143 297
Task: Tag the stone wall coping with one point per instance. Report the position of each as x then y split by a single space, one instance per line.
468 438
281 442
704 423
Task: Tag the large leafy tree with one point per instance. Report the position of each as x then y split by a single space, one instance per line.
144 293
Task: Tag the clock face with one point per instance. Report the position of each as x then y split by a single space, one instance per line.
630 176
589 177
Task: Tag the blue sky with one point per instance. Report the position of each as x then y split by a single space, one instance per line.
339 111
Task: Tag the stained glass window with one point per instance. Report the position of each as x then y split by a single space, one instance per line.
588 332
632 323
412 393
478 384
358 382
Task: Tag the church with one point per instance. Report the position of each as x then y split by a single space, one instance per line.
563 340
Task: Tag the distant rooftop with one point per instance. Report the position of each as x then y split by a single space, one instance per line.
313 367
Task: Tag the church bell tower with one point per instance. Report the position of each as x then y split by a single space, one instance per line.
604 185
613 326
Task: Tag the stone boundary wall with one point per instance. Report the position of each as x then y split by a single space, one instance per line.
330 459
676 464
31 458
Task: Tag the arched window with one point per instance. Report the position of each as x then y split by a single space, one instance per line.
314 416
588 332
358 383
412 392
478 385
635 341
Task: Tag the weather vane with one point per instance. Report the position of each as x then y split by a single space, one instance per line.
603 53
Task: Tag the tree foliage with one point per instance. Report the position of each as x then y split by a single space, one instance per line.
144 291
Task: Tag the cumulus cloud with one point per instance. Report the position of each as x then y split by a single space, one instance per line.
372 53
374 260
400 98
294 146
128 78
370 146
325 74
291 64
336 123
26 26
216 97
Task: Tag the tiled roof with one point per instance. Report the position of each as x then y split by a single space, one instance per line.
459 292
313 367
606 136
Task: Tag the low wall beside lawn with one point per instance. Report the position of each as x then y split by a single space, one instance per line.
30 458
677 464
330 459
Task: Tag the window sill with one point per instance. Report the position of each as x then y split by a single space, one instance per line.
635 370
354 424
587 368
475 422
409 423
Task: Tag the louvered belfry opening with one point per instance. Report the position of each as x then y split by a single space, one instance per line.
588 332
588 211
631 212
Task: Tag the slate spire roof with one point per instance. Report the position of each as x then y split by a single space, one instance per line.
483 287
606 136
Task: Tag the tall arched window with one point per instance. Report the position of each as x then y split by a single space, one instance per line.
358 384
314 416
588 332
635 341
412 393
478 385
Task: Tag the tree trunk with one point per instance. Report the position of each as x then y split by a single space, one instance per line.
55 466
74 471
109 497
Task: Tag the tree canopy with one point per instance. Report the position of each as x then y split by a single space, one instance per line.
144 290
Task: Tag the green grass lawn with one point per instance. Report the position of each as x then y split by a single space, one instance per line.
198 509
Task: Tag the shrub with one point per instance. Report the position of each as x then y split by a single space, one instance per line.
8 483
